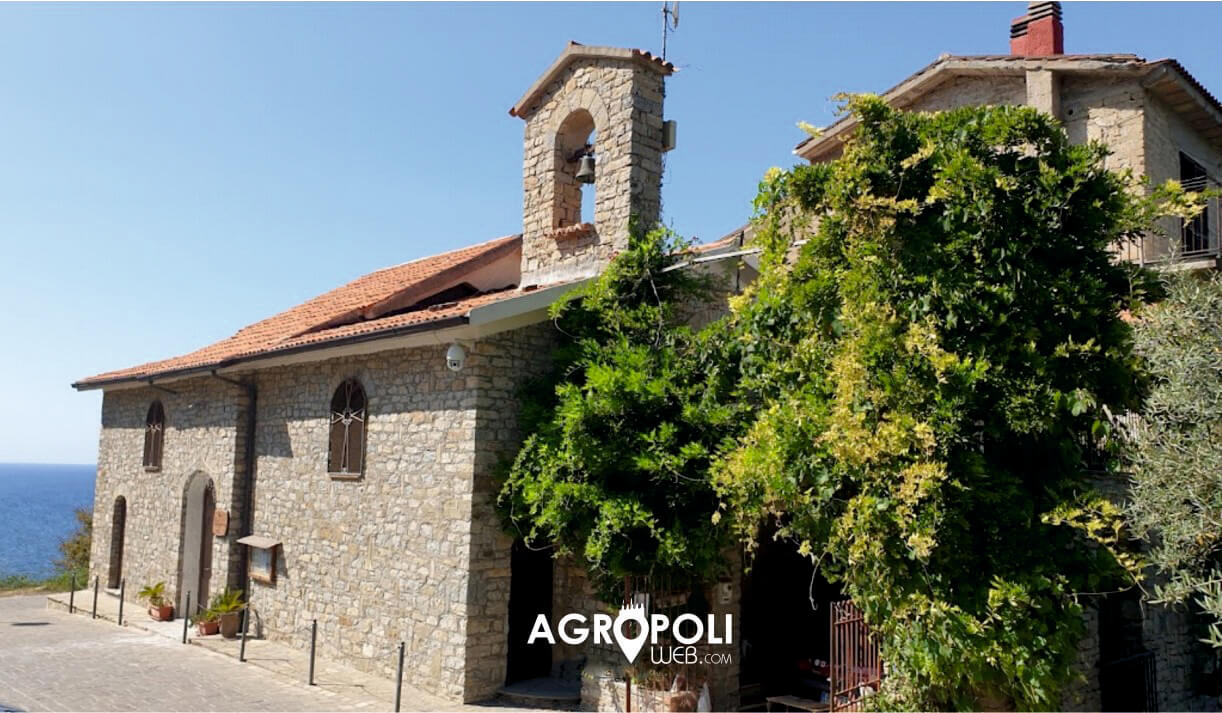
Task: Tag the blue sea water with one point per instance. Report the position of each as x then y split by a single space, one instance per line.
36 512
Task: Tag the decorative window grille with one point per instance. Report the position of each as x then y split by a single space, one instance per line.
346 451
154 435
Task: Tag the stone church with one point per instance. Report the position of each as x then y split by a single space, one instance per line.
336 460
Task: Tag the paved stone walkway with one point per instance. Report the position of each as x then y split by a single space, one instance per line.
52 660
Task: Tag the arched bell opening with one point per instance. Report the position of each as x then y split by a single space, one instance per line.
576 171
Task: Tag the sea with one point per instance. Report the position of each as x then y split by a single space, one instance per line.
37 502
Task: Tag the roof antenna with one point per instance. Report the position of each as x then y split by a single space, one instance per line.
670 22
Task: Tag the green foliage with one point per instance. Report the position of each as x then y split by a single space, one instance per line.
624 427
1174 448
74 550
154 594
17 582
909 392
933 340
225 602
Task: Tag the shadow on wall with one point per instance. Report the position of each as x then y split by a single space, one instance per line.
273 440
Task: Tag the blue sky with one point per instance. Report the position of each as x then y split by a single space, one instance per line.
170 173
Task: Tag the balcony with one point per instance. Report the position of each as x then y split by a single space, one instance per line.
1187 244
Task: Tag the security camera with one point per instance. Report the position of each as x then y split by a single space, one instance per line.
456 357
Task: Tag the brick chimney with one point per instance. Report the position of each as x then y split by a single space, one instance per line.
1039 33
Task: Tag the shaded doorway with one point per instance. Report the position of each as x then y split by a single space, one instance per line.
1128 678
530 594
195 555
785 627
118 527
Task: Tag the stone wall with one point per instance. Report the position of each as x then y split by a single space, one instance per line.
973 91
499 366
412 551
204 434
1083 695
621 103
383 558
1174 637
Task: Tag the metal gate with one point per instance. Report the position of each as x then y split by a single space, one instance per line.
1129 683
856 667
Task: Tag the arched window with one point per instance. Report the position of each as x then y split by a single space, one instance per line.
154 434
346 451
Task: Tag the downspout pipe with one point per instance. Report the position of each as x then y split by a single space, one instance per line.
248 466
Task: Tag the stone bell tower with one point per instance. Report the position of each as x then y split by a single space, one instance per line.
604 102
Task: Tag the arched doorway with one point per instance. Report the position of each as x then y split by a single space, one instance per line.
118 524
195 556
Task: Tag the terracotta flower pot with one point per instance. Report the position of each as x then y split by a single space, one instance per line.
208 628
230 622
164 612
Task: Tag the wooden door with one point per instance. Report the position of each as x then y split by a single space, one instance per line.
205 543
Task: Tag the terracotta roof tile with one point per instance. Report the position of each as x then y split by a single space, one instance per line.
340 313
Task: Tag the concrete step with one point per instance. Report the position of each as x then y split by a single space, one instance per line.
543 693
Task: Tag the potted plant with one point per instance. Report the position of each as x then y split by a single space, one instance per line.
227 607
206 621
159 608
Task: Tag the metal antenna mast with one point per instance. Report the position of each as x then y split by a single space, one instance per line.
670 22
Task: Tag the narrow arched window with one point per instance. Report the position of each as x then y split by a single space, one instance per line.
346 451
154 435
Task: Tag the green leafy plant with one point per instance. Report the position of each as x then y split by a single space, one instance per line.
154 594
933 346
204 616
1176 457
75 548
226 602
912 392
624 426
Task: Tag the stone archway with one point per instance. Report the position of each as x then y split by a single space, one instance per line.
118 527
195 551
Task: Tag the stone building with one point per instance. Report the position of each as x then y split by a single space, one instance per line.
342 452
354 436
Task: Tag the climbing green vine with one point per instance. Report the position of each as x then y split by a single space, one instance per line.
623 429
910 392
951 335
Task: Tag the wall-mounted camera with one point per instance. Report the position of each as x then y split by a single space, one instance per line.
456 357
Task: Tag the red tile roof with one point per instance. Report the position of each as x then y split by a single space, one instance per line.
342 313
369 306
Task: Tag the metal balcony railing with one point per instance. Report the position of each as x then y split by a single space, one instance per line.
1196 239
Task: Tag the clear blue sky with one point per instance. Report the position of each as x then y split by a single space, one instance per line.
170 173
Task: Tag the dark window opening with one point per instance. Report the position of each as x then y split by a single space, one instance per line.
450 294
1195 232
346 450
154 436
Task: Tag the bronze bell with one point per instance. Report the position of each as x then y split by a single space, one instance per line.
585 172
